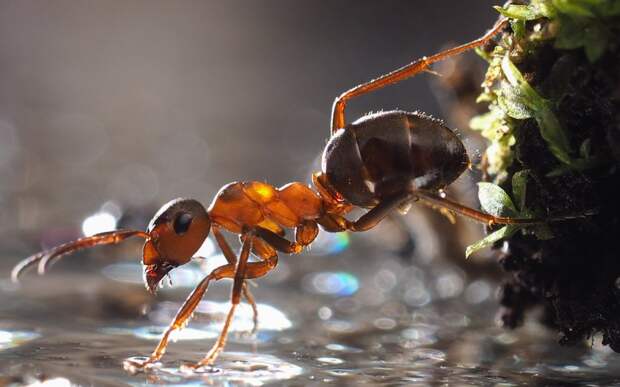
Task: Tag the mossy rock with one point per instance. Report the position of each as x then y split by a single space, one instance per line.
553 90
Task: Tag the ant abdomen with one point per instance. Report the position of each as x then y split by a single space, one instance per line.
385 153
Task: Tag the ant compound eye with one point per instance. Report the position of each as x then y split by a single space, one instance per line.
182 222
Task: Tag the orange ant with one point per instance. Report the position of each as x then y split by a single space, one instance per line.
380 162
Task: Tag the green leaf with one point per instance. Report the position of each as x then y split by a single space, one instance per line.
574 7
519 12
554 135
526 93
545 8
585 150
596 39
518 28
495 201
570 35
550 128
502 233
542 232
510 100
559 171
611 9
519 184
483 121
483 54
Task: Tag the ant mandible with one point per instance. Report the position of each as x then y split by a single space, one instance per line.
380 162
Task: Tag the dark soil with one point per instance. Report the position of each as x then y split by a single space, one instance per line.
575 276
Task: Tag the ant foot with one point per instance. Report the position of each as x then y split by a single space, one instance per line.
139 363
201 366
249 333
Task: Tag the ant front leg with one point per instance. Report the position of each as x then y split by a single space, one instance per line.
240 274
232 259
183 315
413 68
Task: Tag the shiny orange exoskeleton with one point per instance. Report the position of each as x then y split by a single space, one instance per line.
380 162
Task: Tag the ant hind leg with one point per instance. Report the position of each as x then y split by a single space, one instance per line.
407 71
471 213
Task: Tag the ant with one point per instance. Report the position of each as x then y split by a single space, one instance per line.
381 162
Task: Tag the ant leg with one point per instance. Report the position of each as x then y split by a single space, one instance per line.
475 214
337 223
338 111
250 299
232 259
240 274
278 242
184 314
379 212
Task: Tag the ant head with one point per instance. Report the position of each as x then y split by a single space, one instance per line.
176 232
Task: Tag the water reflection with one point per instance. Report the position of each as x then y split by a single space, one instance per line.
232 367
339 284
186 276
330 243
10 339
55 382
209 316
382 323
154 333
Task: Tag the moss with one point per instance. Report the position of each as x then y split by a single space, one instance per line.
553 120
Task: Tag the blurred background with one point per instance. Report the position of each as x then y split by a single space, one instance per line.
108 109
141 102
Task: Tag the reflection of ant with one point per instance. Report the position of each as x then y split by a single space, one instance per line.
381 162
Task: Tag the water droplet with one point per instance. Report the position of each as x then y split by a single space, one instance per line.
339 372
428 356
325 313
330 360
449 285
506 338
385 280
477 292
342 348
340 326
417 296
384 323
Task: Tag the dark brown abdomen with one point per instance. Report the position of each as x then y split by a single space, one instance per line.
388 152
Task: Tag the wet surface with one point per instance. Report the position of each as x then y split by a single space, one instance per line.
385 322
97 134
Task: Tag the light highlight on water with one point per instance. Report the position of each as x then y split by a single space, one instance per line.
11 339
331 243
339 284
99 222
154 333
132 272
